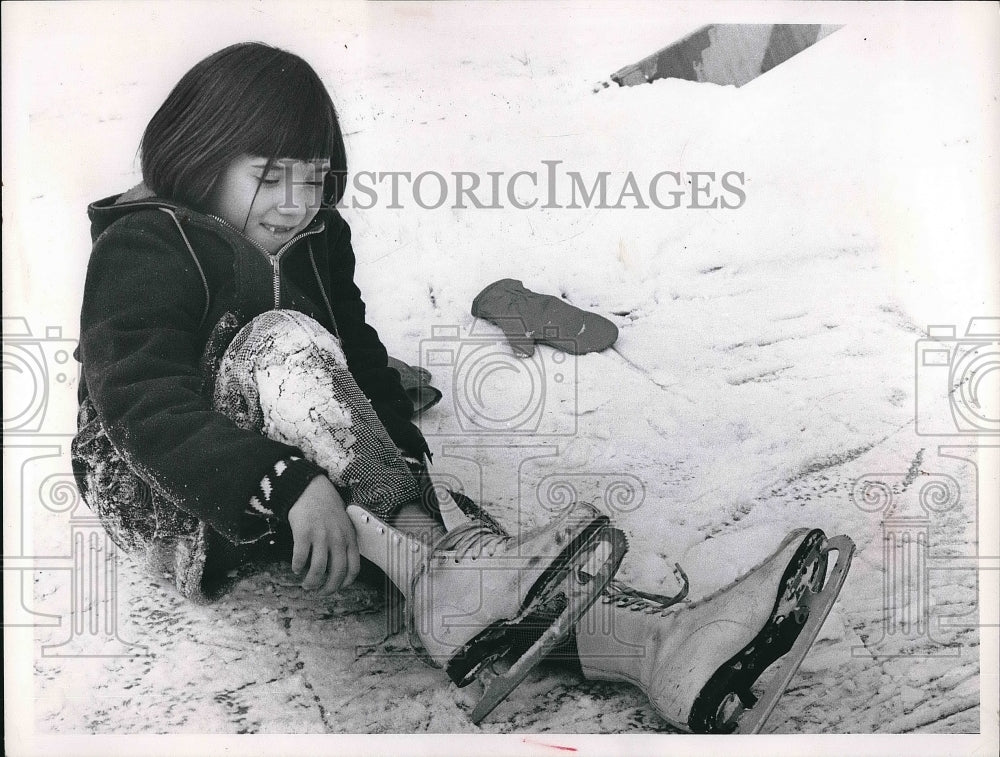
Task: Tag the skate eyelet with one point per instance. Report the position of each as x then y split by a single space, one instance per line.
381 530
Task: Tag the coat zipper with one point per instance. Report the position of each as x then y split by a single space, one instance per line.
274 259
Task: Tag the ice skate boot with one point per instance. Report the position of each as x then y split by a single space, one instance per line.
697 661
479 597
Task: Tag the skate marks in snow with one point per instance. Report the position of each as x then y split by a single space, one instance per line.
735 404
225 668
290 662
267 658
900 653
790 409
272 658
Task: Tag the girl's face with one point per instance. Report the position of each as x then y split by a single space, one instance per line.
270 208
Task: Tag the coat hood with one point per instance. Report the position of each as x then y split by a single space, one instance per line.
103 213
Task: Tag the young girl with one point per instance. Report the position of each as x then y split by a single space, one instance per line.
236 408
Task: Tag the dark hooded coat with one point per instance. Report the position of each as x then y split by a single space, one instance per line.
167 289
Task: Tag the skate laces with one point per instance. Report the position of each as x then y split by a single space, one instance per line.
631 598
475 538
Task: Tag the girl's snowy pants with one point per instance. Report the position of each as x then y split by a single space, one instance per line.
286 376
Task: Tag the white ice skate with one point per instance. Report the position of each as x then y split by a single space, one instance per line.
697 661
480 597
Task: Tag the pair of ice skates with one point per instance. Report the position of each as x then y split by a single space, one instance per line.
480 599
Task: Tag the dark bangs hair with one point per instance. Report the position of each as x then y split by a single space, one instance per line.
249 98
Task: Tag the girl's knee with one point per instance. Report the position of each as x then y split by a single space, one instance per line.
285 323
278 334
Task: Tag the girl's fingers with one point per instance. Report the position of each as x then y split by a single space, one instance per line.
337 566
353 558
300 555
317 565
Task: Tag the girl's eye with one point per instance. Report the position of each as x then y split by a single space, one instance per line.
268 182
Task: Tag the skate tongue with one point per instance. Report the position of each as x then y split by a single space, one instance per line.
451 513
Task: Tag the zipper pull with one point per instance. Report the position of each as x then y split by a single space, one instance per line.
276 267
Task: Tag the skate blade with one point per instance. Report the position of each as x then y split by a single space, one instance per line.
585 583
819 605
493 643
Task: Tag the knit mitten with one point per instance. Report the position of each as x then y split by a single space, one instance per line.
527 318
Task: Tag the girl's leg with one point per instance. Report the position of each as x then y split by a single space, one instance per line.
286 376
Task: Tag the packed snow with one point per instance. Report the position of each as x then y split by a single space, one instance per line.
764 376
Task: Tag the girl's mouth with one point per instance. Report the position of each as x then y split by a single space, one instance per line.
278 231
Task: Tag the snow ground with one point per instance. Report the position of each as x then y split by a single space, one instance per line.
765 363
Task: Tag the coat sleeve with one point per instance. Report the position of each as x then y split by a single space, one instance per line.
366 355
140 345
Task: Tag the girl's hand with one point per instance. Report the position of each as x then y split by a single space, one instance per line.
324 537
